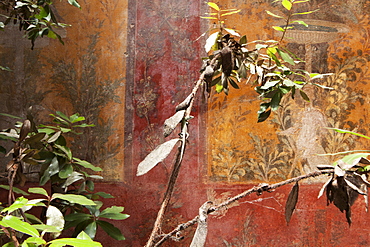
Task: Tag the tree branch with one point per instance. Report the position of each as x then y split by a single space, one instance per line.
256 189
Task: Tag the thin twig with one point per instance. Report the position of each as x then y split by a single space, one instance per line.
257 189
176 168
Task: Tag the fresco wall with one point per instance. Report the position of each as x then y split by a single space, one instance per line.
125 66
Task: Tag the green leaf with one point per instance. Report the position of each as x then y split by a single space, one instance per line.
76 118
73 199
111 230
322 86
91 230
300 22
47 228
104 195
74 177
88 165
17 204
277 28
114 213
243 40
306 13
219 88
65 150
304 96
15 189
74 242
349 132
38 241
287 4
66 171
263 116
8 115
233 83
83 235
274 15
18 225
269 84
231 12
275 101
285 56
38 190
214 6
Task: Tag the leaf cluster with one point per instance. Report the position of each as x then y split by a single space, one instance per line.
35 17
267 64
46 146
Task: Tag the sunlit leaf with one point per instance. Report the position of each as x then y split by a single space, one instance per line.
54 218
274 15
74 3
87 164
211 41
306 13
156 156
349 132
38 190
231 13
287 4
171 123
214 6
286 57
18 225
300 22
277 28
232 32
74 199
75 242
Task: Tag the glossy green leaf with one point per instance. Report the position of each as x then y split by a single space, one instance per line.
104 195
65 150
114 213
90 230
37 241
66 171
75 242
86 164
286 57
18 225
287 4
214 6
38 190
263 116
233 83
74 177
277 28
15 190
275 101
111 230
83 235
74 199
76 118
17 204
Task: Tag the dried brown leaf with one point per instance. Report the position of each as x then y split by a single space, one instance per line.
171 123
291 202
156 156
